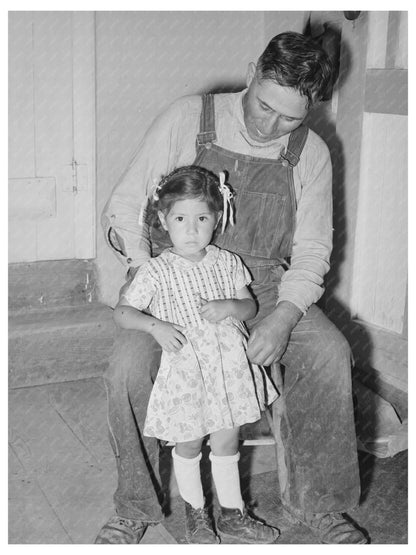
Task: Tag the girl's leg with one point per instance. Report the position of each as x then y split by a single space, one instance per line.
186 457
234 524
224 464
198 526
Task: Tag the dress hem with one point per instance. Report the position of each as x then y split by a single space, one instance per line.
250 421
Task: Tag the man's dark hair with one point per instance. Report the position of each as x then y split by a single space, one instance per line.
297 61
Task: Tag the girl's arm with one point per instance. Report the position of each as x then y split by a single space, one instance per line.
130 318
168 335
242 308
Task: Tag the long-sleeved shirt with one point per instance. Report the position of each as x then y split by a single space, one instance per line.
170 142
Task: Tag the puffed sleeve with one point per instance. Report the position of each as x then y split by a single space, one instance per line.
240 274
142 289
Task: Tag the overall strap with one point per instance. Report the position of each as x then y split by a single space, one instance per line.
207 132
295 146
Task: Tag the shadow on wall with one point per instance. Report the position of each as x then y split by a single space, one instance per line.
381 414
223 87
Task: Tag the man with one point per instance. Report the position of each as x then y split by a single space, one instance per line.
281 174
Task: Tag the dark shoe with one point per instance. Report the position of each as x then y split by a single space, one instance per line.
121 530
331 528
239 527
198 526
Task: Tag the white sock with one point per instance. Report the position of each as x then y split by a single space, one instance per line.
188 478
227 480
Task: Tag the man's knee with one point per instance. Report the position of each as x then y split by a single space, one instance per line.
320 350
326 340
135 358
333 363
336 347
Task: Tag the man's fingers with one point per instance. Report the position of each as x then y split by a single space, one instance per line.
259 353
253 347
269 361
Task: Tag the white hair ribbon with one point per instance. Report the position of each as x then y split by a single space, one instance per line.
227 195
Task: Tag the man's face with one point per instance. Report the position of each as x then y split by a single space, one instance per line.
270 110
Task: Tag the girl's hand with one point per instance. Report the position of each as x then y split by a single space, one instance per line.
169 336
215 311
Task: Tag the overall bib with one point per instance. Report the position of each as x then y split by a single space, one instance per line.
316 443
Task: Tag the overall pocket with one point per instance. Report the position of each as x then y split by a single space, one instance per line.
257 224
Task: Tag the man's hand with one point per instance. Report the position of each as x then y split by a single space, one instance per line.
215 311
269 339
169 336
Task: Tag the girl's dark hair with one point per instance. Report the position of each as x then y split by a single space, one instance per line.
295 60
184 183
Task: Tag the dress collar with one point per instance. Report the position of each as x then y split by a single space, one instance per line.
179 261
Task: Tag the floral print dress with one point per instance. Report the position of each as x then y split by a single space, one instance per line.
209 384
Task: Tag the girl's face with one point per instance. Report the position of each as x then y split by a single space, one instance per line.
190 224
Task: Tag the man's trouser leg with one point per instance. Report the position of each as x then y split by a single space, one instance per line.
317 425
132 369
318 471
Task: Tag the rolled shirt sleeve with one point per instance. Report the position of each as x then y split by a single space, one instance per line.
123 219
302 284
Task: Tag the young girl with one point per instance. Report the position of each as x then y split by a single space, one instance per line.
192 299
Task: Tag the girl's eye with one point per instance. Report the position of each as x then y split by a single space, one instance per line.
179 218
202 218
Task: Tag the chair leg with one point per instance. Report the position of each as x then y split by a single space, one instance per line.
274 416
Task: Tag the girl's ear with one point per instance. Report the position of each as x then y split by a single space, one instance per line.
162 219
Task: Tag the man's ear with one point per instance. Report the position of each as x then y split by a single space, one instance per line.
162 219
251 72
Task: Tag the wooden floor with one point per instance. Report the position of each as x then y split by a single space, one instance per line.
62 475
61 467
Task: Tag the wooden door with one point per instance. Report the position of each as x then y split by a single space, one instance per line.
51 136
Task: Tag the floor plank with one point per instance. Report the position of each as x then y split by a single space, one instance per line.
31 517
77 477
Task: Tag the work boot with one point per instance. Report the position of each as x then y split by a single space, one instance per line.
239 527
330 528
121 530
198 527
